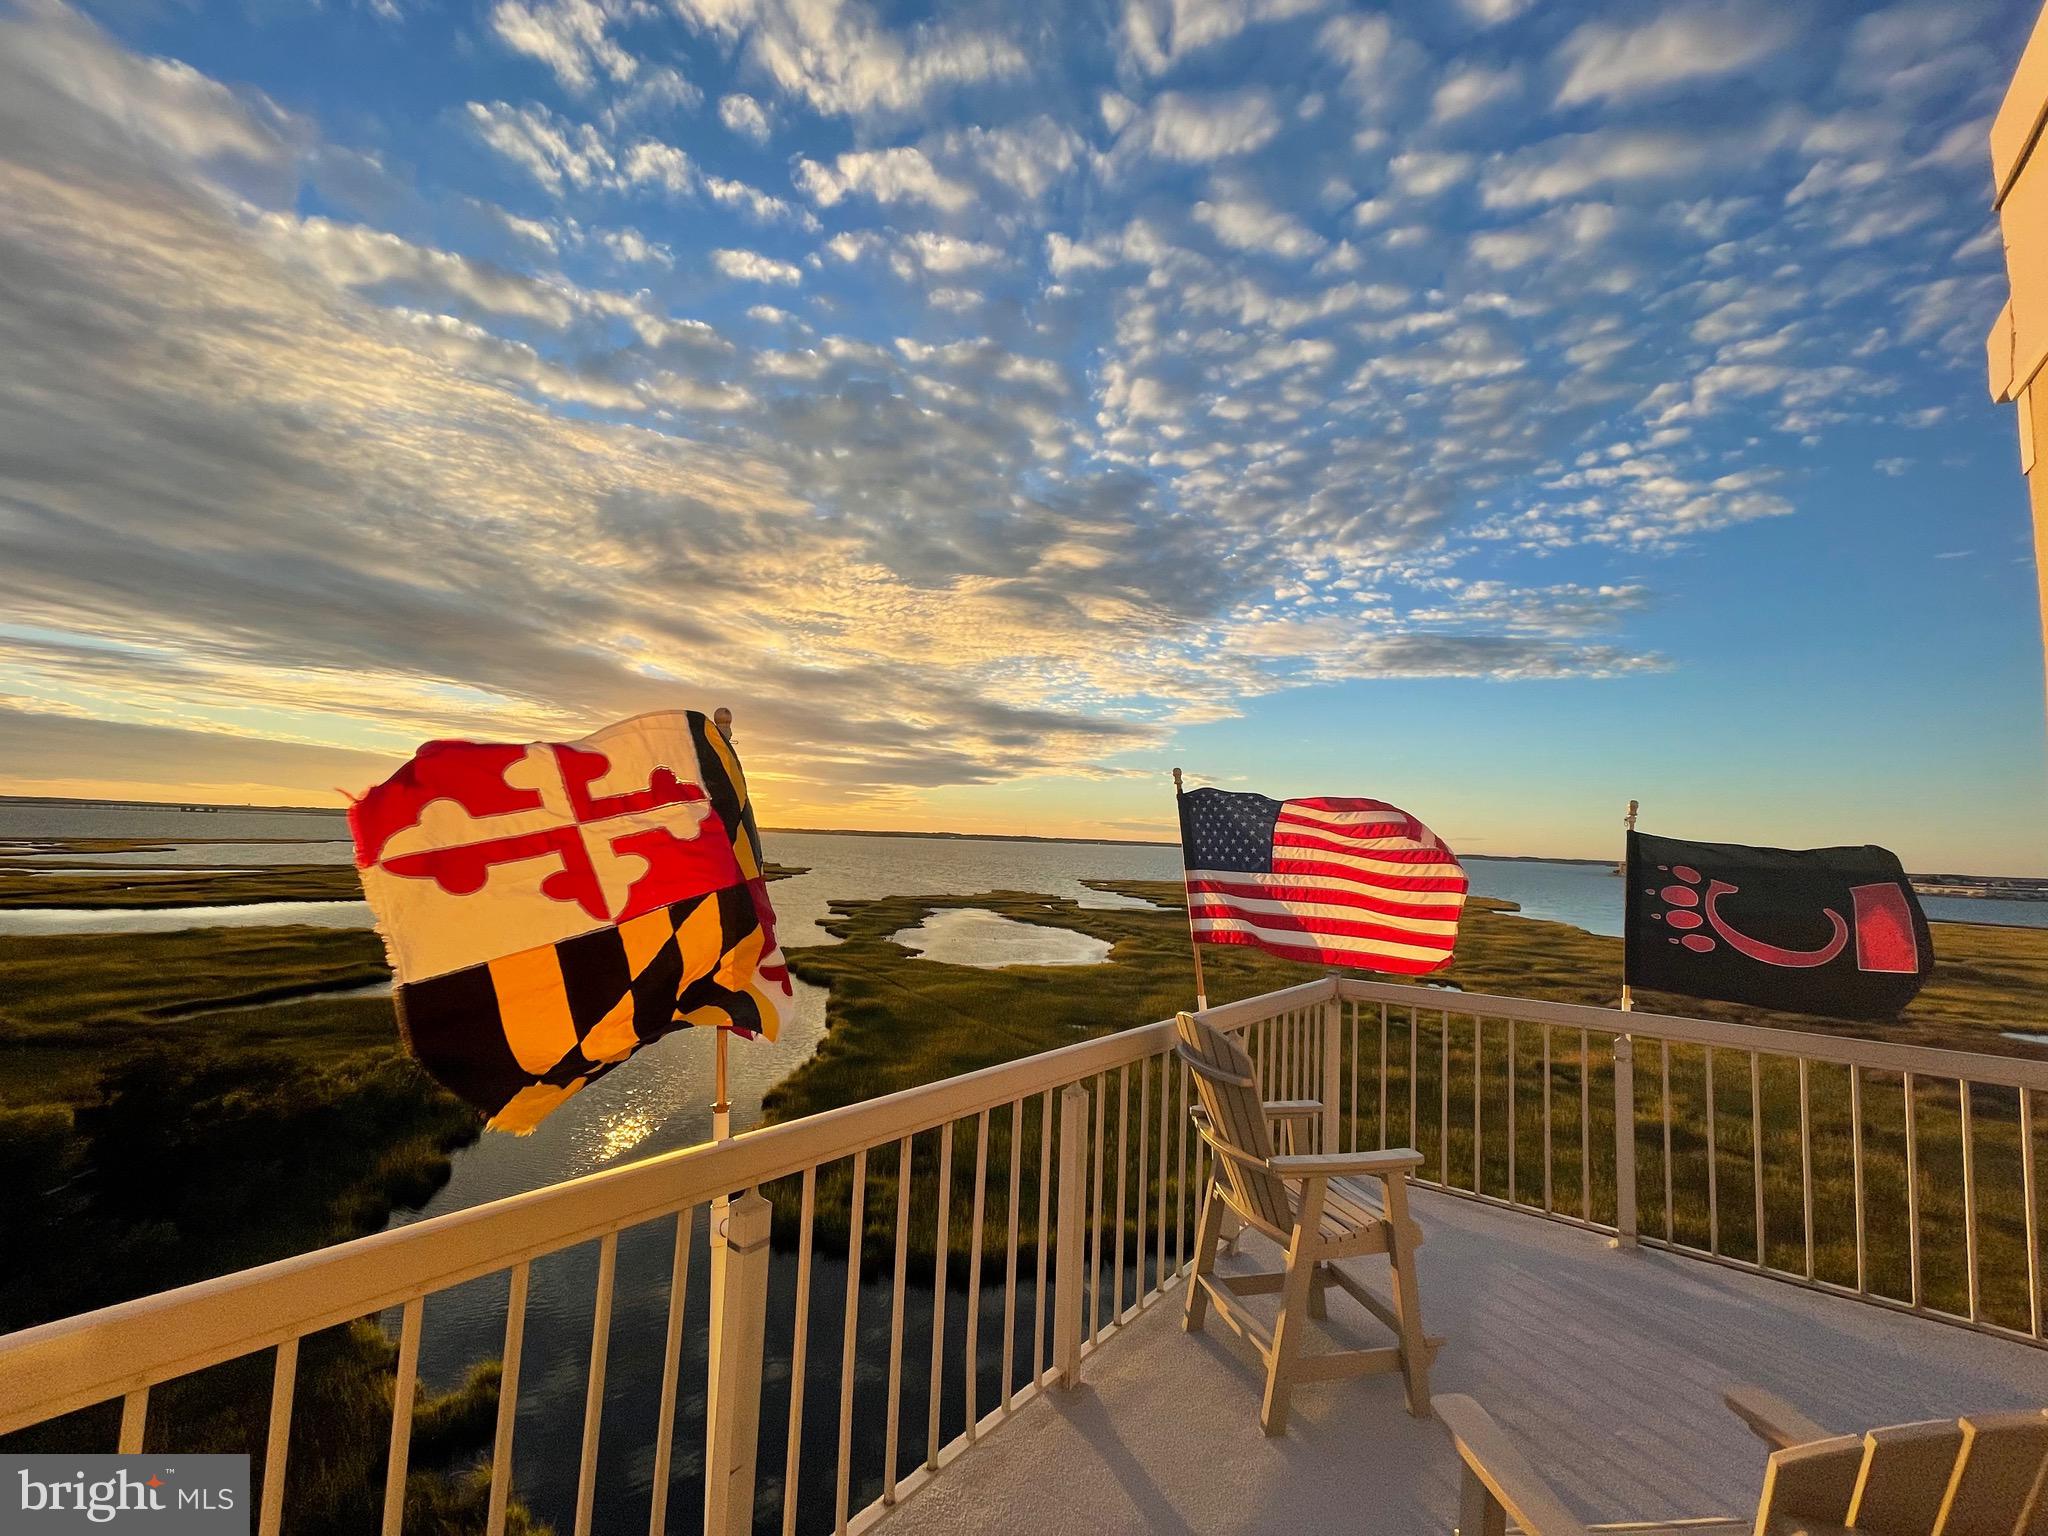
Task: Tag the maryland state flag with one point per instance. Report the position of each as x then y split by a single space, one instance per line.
551 908
1829 931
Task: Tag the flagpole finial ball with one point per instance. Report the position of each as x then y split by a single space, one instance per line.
1176 780
722 718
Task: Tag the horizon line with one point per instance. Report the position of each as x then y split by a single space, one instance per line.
981 837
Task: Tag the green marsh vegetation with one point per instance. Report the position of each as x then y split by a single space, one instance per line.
25 886
160 1124
180 1105
896 1020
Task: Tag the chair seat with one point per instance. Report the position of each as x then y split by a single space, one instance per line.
1354 1220
1350 1209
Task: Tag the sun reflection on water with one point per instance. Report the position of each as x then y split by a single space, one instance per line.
617 1134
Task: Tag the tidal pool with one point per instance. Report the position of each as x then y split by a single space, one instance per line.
254 914
977 937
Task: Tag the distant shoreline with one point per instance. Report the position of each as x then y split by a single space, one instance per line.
1994 887
973 837
176 805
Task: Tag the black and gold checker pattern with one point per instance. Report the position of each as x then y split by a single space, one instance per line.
519 1034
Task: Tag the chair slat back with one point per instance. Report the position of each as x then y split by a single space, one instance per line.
1236 1112
1982 1476
1999 1477
1812 1482
1905 1473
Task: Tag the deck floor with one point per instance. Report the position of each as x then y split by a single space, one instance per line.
1607 1367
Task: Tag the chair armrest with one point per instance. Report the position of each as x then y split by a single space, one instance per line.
1503 1471
1293 1109
1771 1419
1334 1165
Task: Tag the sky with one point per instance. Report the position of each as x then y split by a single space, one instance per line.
1501 408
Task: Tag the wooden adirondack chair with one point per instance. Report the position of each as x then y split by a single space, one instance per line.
1982 1476
1319 1210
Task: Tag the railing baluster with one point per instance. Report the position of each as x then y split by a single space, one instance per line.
671 1366
1856 1168
1139 1288
1664 1082
1385 1072
1166 1064
277 1443
1414 1061
402 1387
1713 1161
972 1352
1756 1146
1963 1097
593 1396
508 1410
1806 1158
1123 1169
1912 1183
1478 1057
941 1257
892 1430
1513 1199
1585 1127
1443 1126
1548 1203
1010 1263
1352 1114
1095 1191
134 1414
1044 1205
2031 1197
1180 1192
1066 1329
799 1352
849 1339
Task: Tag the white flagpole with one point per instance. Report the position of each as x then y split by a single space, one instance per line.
721 1105
1194 945
1628 821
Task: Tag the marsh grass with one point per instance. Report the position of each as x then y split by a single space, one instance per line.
148 1139
178 888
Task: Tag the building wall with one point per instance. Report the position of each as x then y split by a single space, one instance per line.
2017 350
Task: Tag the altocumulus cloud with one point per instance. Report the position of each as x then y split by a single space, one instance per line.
1097 398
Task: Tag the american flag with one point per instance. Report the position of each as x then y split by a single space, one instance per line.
1330 879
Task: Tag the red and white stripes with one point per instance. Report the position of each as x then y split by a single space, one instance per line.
1354 882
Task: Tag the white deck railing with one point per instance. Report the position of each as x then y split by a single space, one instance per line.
1058 1163
1098 1171
1899 1174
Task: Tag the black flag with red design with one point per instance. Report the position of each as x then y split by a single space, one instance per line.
1830 931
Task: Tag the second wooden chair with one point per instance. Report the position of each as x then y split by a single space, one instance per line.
1320 1210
